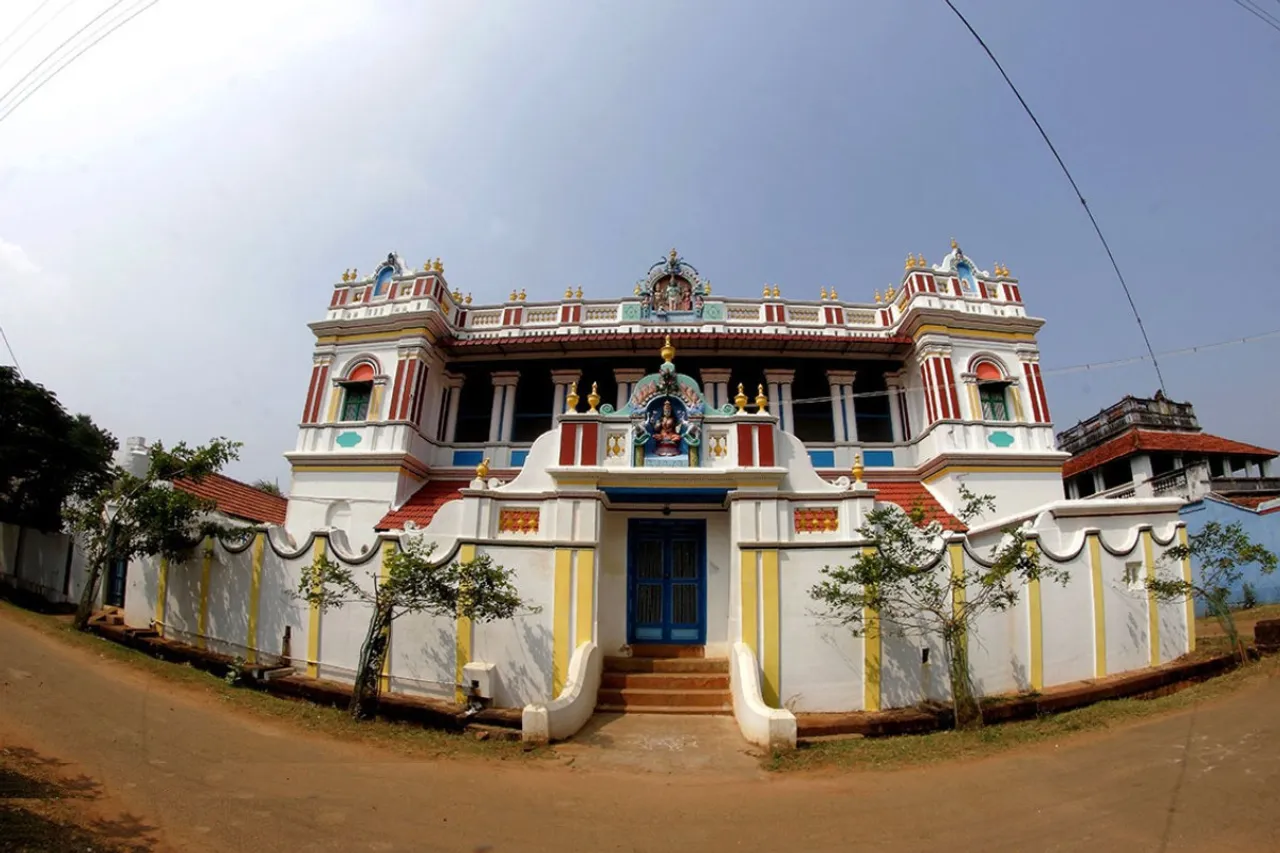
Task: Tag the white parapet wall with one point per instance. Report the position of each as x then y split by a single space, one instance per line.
564 716
771 728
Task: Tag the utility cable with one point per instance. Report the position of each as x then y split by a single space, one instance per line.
37 31
1259 13
7 110
25 21
1154 361
12 356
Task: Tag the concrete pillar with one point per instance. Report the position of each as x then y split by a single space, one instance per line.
779 382
504 403
893 383
562 379
1140 470
1098 483
451 425
715 386
626 377
841 384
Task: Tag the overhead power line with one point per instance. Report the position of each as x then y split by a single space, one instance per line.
13 357
1124 285
23 23
1259 13
8 109
37 31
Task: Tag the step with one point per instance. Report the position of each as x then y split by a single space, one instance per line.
638 664
673 681
634 697
662 709
665 650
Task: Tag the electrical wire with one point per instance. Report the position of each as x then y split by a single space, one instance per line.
1259 13
13 356
8 110
37 31
51 54
1114 265
26 20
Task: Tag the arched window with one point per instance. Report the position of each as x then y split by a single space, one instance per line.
993 391
383 284
965 273
357 390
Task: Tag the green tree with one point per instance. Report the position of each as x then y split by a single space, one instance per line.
411 582
899 578
1221 552
146 516
47 456
271 487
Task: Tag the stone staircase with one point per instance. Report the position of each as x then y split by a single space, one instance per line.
665 680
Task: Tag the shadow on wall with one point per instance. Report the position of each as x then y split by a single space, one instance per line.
536 682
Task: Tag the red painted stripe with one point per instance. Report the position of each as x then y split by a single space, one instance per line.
517 316
590 435
311 392
1008 293
419 394
928 394
333 303
410 377
940 386
1031 391
904 414
564 315
1017 293
955 287
568 440
419 286
506 316
462 318
931 283
1044 402
982 289
368 293
765 432
320 394
396 387
884 317
839 316
951 387
746 455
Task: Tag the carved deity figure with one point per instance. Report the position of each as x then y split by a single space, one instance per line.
666 432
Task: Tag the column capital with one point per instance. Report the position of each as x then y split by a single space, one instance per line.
841 377
933 350
454 380
1027 352
505 377
628 374
564 377
782 377
714 374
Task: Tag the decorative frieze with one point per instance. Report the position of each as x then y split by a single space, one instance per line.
521 520
817 519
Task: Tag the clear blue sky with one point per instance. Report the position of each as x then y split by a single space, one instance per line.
179 202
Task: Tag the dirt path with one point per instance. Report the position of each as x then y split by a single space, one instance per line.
192 776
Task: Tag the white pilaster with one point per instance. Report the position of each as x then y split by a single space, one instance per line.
562 379
893 383
780 397
451 425
626 377
504 402
840 419
715 386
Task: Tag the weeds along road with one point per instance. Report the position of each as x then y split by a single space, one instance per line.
176 770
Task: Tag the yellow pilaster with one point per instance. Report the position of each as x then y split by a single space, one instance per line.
162 584
958 594
975 402
313 615
750 601
1191 603
375 404
870 654
1036 630
384 679
1015 395
584 630
771 620
1153 606
1099 608
562 604
206 565
465 634
335 399
255 586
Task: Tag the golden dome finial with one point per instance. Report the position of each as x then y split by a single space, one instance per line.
467 301
822 294
571 399
457 295
593 399
740 399
523 295
889 294
762 402
355 274
777 291
911 262
568 293
877 295
706 287
437 266
921 262
482 470
346 275
673 255
833 294
637 290
668 352
857 468
766 292
577 294
512 297
954 244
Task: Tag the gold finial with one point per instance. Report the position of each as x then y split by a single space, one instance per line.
857 468
482 470
673 255
668 351
823 294
777 291
762 402
766 291
999 269
637 290
911 262
523 295
954 244
571 400
346 275
593 399
888 294
512 297
740 399
706 287
920 261
457 295
577 294
468 299
568 293
437 266
355 274
877 297
1007 274
833 294
427 266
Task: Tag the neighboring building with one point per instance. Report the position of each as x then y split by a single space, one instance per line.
667 473
1156 448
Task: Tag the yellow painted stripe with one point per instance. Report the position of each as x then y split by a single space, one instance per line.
255 587
1191 603
585 629
202 621
1015 394
335 397
975 402
870 654
561 604
771 689
384 679
956 552
465 635
975 333
162 592
993 469
1099 608
1153 606
313 615
750 599
375 404
367 337
1036 630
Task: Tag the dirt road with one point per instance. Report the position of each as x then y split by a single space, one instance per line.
178 772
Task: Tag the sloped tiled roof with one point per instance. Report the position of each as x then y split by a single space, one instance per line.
908 494
423 504
1251 501
237 499
1138 440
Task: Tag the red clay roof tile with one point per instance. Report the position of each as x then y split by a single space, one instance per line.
423 504
237 499
1137 440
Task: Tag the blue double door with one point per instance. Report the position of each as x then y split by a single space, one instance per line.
666 581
